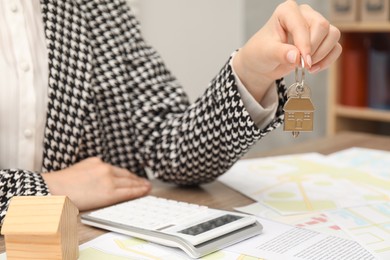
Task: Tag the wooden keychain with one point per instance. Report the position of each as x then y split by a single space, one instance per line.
299 110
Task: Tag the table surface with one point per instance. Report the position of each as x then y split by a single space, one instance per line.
217 195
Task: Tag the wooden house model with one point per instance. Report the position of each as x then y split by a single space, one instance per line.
41 227
299 114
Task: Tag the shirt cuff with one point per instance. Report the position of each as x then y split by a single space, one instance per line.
261 112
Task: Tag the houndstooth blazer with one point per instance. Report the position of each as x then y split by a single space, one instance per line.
111 96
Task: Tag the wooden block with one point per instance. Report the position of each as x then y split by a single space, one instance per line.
38 227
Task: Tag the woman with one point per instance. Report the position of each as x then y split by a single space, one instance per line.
106 113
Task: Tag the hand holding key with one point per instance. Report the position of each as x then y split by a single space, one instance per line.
275 50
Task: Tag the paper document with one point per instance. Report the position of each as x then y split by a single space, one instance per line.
319 222
304 183
120 247
278 241
281 241
369 225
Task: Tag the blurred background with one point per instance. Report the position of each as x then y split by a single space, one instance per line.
195 38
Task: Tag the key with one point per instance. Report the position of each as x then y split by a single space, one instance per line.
299 109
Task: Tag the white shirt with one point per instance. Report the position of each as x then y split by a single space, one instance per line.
24 86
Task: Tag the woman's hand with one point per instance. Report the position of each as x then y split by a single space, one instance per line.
275 50
92 183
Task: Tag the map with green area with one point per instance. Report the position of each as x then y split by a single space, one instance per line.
304 183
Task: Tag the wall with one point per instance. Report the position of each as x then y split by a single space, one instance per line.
195 38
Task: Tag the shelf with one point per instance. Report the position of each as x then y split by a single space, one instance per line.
363 27
363 113
348 118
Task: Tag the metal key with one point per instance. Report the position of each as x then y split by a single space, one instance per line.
299 110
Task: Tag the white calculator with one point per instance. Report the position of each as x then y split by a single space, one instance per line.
197 230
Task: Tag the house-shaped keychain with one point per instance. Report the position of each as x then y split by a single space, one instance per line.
299 114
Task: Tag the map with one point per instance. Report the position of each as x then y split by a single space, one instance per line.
305 183
369 225
376 162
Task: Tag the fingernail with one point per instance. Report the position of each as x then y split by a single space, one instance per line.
308 60
292 56
314 69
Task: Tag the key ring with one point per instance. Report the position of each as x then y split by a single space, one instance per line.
300 83
299 110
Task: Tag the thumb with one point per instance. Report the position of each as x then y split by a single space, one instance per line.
286 54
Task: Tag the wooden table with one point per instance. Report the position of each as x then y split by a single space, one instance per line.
217 195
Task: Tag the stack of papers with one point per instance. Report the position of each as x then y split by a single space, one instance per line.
345 194
278 241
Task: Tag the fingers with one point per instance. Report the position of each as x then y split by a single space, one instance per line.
127 185
130 187
327 45
125 179
130 182
276 49
318 26
121 172
313 36
325 62
294 23
283 53
127 194
324 39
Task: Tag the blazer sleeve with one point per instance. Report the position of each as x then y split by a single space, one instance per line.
14 182
179 142
208 137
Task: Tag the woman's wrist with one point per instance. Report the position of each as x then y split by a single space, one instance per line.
256 84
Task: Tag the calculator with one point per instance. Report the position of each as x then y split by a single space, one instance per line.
197 230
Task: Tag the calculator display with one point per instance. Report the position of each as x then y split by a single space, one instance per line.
209 225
